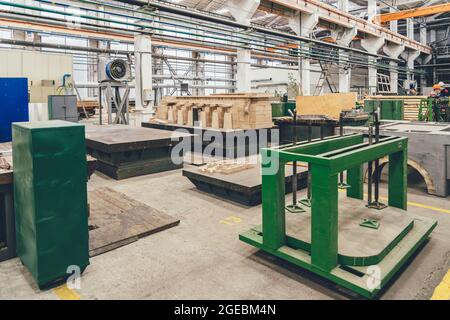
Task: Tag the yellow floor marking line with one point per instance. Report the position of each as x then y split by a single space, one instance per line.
64 293
414 204
231 220
442 291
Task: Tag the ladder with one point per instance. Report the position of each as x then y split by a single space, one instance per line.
325 77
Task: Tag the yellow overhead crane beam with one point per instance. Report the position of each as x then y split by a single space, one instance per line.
412 13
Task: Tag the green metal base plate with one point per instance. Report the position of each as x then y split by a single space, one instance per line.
366 281
306 202
295 209
343 185
370 223
377 205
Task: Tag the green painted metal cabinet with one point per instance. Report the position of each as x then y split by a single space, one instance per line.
390 109
50 198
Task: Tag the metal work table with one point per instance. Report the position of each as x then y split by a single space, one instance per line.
123 151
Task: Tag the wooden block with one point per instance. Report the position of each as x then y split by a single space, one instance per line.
228 120
171 115
190 117
205 118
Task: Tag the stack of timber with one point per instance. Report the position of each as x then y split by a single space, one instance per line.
411 104
330 105
87 106
220 111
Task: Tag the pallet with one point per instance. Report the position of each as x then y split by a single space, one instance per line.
116 220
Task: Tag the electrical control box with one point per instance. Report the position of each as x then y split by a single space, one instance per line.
63 107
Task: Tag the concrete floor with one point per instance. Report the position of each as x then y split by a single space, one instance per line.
202 258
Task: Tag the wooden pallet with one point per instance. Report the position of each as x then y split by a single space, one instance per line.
116 220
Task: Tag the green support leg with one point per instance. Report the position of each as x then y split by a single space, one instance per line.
324 218
273 193
355 178
398 179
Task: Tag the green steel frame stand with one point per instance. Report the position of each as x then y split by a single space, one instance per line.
321 255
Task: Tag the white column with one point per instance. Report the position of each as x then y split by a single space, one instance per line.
393 25
243 79
143 73
372 44
410 56
371 9
343 37
199 72
303 25
410 28
423 34
343 5
393 51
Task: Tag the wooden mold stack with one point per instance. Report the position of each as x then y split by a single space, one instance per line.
221 111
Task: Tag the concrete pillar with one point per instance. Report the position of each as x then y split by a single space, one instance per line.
243 78
393 51
143 73
343 37
423 34
158 69
393 25
372 44
410 28
410 56
371 9
303 25
343 5
242 10
199 72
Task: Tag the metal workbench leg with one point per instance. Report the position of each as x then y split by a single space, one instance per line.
324 218
355 179
273 204
398 179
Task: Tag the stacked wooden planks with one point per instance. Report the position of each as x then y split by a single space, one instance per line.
411 104
220 111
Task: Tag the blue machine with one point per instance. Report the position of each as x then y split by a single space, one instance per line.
13 104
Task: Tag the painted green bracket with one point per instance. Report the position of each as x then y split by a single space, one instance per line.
306 202
295 208
370 223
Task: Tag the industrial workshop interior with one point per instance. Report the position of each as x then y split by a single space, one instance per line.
250 151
